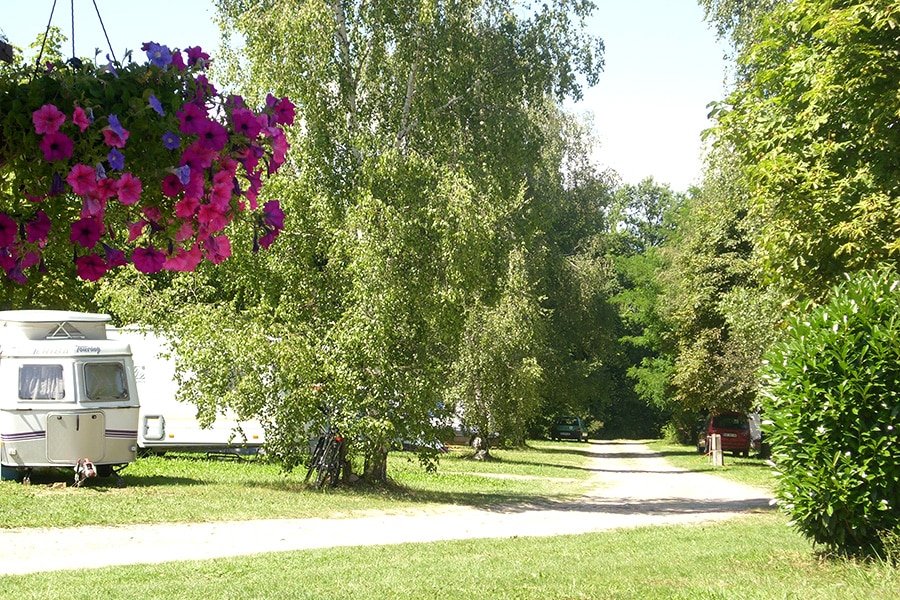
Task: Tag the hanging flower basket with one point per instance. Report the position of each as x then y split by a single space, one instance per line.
142 163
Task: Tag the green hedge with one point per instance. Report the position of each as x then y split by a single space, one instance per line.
831 401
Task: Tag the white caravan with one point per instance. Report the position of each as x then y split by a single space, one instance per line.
67 395
166 423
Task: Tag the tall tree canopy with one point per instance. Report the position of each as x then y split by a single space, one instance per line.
424 175
814 123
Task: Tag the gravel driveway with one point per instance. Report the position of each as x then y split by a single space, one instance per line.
634 486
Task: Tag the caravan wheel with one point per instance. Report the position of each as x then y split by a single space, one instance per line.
10 474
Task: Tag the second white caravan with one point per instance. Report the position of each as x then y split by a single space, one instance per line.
165 423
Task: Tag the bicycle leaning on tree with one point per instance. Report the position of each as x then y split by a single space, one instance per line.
327 457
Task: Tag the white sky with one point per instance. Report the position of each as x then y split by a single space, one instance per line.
663 66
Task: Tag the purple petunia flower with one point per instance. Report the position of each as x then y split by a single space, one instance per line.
116 126
183 173
155 104
159 55
116 160
171 140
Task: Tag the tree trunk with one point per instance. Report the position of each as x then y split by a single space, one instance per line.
375 469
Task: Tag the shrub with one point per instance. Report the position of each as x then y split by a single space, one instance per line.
831 400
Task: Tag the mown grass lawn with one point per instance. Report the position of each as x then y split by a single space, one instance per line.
193 488
752 557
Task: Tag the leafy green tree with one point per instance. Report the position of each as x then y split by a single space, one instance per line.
401 220
814 126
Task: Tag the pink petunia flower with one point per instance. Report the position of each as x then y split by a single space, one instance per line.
80 118
148 260
184 260
130 188
92 206
217 248
106 188
87 232
135 230
83 179
212 218
90 267
198 157
187 207
56 146
47 119
114 138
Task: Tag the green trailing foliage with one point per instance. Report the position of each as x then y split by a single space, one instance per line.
832 400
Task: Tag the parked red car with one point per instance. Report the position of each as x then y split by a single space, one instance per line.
734 427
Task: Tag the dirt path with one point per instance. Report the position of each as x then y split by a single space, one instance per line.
634 487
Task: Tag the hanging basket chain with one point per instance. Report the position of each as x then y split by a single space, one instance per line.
74 58
46 33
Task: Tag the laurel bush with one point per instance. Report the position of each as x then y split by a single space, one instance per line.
831 401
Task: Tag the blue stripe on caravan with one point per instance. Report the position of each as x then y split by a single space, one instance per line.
25 436
121 433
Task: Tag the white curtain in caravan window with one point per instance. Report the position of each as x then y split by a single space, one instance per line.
41 382
105 381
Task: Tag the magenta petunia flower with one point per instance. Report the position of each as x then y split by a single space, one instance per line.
106 188
246 122
130 188
148 260
273 216
156 105
178 61
56 146
87 232
80 118
90 267
195 55
284 112
47 119
213 135
198 157
8 230
191 117
37 230
114 257
171 186
83 179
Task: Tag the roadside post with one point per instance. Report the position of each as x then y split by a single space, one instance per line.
715 450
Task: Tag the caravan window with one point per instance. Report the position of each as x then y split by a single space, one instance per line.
41 382
105 381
